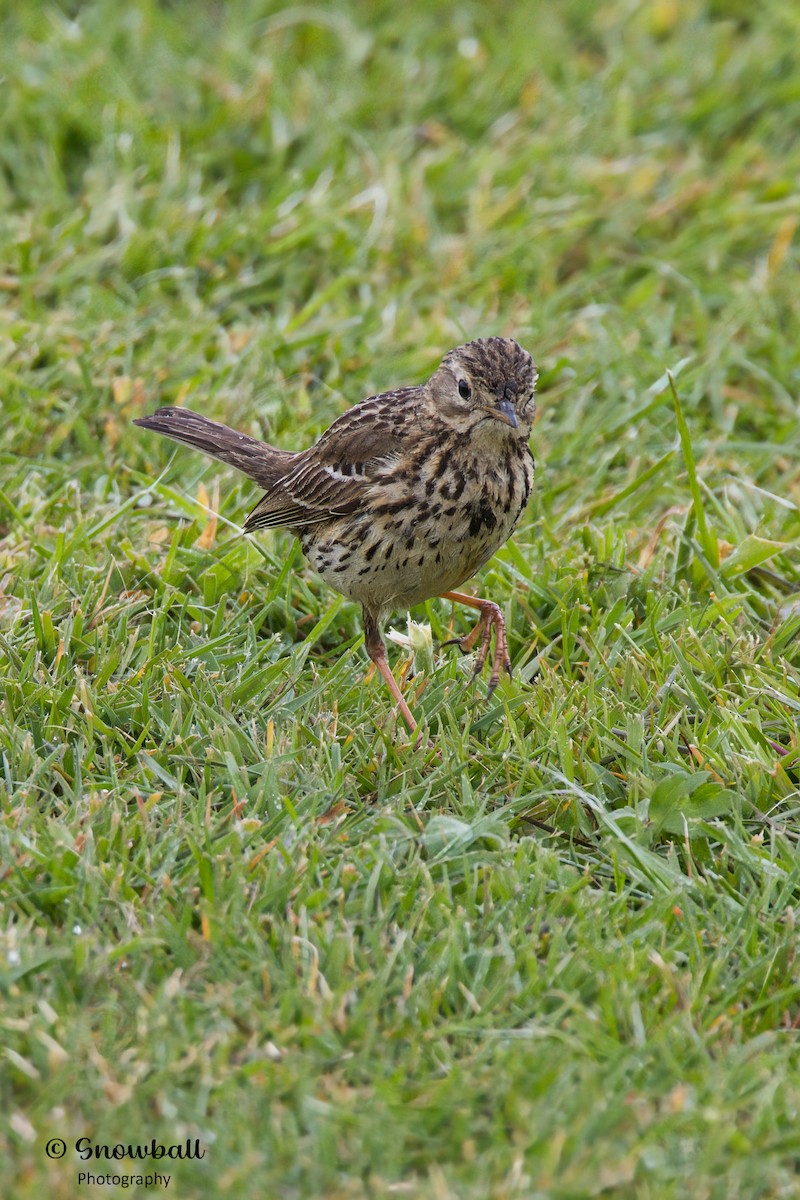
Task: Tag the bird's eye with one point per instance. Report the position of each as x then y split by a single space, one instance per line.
464 389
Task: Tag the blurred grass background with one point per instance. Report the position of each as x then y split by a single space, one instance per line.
554 953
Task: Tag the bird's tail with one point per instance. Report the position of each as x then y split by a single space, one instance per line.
263 463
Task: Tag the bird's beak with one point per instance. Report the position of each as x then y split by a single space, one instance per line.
503 410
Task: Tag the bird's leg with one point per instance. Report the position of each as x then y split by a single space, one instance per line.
377 652
491 618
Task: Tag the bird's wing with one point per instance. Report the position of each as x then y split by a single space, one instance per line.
333 478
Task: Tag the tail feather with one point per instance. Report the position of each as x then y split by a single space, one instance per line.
261 462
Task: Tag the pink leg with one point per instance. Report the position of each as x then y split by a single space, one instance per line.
377 652
491 618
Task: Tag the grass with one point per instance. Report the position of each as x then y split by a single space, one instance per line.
552 954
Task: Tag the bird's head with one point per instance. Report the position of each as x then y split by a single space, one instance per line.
487 387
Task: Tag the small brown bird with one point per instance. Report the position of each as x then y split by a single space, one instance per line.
406 495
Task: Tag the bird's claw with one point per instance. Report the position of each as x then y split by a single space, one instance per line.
491 618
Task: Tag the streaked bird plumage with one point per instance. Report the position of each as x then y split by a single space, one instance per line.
407 494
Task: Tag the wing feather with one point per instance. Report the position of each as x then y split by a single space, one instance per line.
334 477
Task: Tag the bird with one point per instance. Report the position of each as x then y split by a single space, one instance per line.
406 495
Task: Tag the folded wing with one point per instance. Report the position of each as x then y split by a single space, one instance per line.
334 477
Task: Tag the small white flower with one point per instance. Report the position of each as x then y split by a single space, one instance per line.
419 641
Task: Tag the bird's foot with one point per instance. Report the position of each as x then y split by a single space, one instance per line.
491 618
